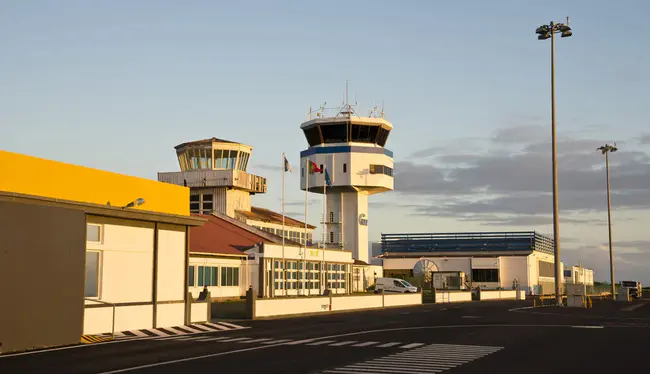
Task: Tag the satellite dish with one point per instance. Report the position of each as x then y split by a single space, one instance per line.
424 267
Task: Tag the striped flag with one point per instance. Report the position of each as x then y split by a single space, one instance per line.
287 166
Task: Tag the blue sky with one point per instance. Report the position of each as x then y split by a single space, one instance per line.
116 84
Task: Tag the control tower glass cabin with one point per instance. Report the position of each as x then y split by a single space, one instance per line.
351 149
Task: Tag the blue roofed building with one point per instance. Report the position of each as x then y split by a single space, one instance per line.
487 259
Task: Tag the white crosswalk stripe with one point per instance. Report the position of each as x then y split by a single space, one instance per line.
343 343
364 344
322 342
432 358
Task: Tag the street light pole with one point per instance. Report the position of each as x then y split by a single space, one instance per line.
606 149
545 32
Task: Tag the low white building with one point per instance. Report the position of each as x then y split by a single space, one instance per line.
579 275
488 260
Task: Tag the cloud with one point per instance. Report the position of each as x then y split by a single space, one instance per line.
520 134
644 139
518 180
277 168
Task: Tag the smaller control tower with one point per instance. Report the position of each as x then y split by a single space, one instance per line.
215 171
346 160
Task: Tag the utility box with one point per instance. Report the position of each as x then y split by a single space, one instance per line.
623 294
576 294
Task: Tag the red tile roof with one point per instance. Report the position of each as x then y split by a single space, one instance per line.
222 235
265 215
218 236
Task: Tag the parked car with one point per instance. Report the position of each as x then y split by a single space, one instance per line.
395 285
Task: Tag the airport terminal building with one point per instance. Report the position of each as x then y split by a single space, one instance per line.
488 259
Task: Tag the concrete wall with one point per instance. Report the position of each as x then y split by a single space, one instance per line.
402 299
98 320
26 175
453 296
280 307
311 305
199 312
42 261
498 295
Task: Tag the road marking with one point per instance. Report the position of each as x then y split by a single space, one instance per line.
233 340
365 344
300 341
633 307
412 345
231 325
214 339
587 327
277 341
387 345
343 343
256 340
322 342
432 358
273 344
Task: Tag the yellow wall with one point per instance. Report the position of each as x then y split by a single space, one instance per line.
36 176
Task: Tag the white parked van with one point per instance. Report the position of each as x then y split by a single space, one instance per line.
394 285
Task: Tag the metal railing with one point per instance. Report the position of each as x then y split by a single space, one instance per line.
110 304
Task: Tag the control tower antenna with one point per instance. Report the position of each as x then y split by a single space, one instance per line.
347 104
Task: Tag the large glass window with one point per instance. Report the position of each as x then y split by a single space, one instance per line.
208 276
485 275
229 276
363 133
546 269
333 133
381 169
92 274
190 276
218 159
382 136
312 135
93 233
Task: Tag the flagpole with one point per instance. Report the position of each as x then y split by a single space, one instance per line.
306 198
324 206
284 272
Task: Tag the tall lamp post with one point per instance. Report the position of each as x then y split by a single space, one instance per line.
606 149
548 32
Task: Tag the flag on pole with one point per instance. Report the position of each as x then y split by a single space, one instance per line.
313 168
287 166
328 181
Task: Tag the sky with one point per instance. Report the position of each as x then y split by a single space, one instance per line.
115 85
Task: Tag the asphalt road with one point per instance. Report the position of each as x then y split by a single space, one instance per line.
455 338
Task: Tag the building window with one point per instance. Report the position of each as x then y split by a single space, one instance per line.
567 273
331 236
208 276
335 276
94 233
321 168
546 269
381 169
92 274
345 168
195 204
229 277
278 275
190 276
331 217
302 172
206 202
485 275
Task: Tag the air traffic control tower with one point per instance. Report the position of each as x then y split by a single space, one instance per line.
350 150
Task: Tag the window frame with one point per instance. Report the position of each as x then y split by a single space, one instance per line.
99 274
100 228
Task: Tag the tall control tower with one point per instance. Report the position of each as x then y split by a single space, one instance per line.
346 160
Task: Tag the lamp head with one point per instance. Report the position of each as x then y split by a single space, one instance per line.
543 36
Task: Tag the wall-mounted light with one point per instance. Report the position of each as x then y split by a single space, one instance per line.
137 202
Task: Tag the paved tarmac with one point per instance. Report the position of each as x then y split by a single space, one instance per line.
493 336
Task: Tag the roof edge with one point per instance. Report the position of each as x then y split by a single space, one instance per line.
103 210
